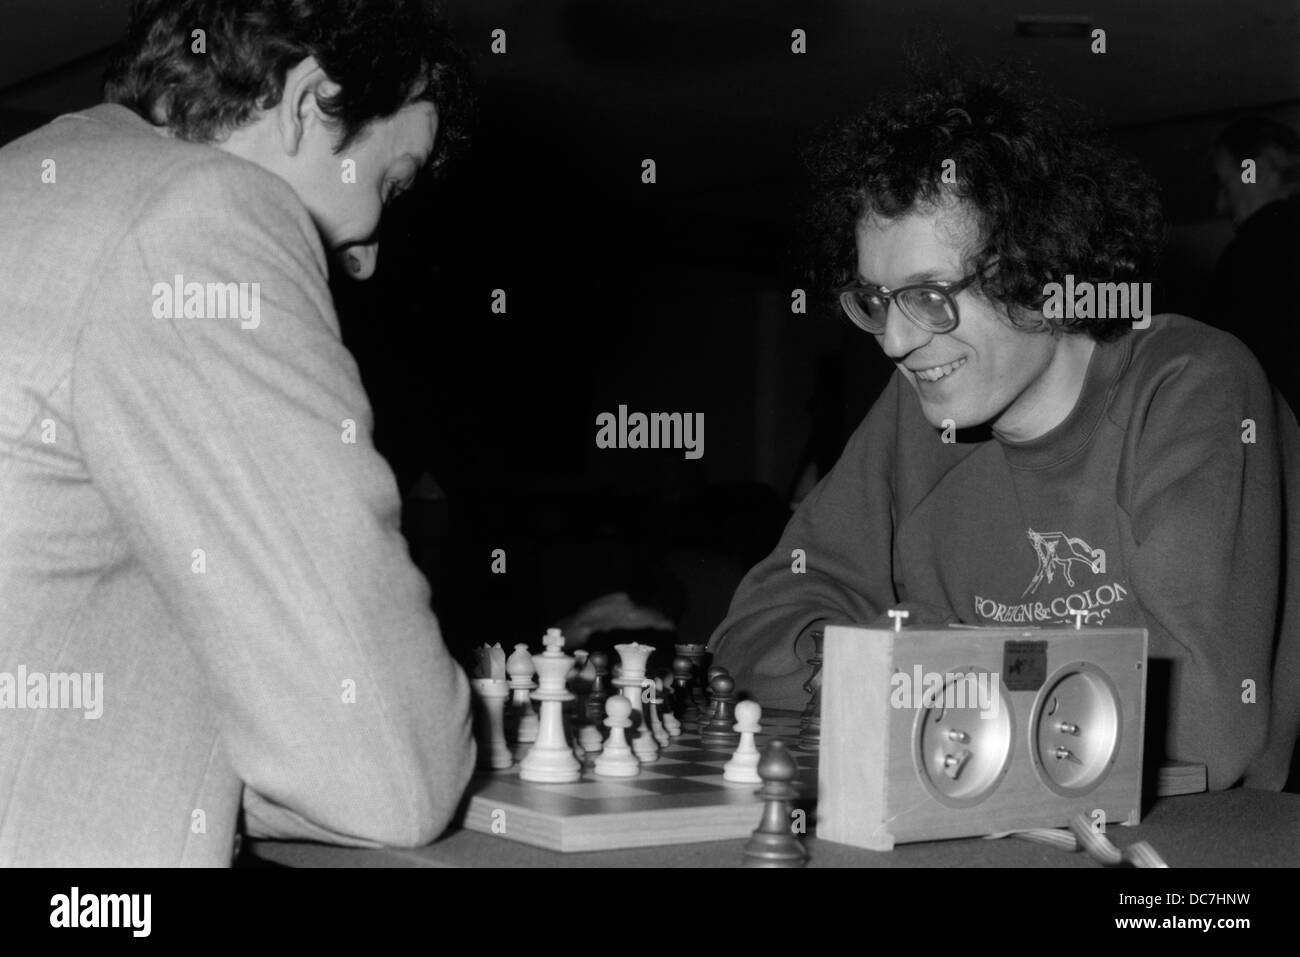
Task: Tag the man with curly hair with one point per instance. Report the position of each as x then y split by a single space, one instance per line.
1027 462
194 515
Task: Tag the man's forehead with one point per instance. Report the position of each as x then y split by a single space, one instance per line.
926 239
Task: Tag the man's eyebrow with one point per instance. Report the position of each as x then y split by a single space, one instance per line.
924 275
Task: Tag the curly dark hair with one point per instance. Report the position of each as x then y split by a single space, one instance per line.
384 54
1048 195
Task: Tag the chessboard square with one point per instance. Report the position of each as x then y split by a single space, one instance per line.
695 754
718 781
685 769
665 761
682 785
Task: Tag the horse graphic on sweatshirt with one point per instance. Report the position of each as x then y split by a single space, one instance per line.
1056 550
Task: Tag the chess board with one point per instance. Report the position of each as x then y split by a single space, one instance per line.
679 799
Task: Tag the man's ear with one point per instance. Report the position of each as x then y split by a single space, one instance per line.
299 109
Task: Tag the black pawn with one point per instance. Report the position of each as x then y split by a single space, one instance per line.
683 703
774 843
720 731
599 688
575 712
710 702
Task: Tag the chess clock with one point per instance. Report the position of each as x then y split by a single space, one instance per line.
962 731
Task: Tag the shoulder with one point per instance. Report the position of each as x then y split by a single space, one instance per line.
214 201
1178 355
117 179
1186 395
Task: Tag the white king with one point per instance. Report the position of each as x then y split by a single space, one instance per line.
550 760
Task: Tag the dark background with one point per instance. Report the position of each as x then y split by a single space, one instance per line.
674 296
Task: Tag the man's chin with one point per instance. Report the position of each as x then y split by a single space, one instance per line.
942 415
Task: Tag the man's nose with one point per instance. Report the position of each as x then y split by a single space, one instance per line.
361 260
901 335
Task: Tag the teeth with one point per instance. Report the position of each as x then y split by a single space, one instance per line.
938 372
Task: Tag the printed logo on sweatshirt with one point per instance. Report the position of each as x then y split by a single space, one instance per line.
1056 550
1069 557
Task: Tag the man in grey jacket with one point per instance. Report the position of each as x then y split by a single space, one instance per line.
206 606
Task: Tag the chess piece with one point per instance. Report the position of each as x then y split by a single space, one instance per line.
670 722
696 655
550 760
653 698
617 760
743 766
579 683
590 740
521 721
685 706
711 702
774 843
631 681
489 723
600 689
810 730
720 730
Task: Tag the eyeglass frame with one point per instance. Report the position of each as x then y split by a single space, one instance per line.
948 289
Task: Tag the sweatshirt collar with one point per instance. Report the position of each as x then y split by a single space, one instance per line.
1109 359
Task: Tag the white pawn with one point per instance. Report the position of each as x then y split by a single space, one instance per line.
617 760
523 719
743 766
590 741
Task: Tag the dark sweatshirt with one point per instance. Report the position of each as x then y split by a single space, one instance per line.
1144 508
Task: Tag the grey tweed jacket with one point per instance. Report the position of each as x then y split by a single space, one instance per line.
193 518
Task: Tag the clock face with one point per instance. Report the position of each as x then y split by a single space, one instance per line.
1076 728
962 746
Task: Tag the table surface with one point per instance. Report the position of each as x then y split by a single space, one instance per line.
1237 828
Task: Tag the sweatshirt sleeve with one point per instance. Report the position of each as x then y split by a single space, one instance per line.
1205 505
833 564
235 453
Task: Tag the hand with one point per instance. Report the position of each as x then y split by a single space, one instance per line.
614 612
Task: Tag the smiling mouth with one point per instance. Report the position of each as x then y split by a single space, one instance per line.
935 373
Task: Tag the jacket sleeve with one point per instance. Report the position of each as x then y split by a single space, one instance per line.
834 564
235 453
1205 505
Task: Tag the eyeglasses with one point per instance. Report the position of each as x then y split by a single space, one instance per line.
928 304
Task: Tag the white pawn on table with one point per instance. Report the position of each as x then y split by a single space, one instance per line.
743 766
617 759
